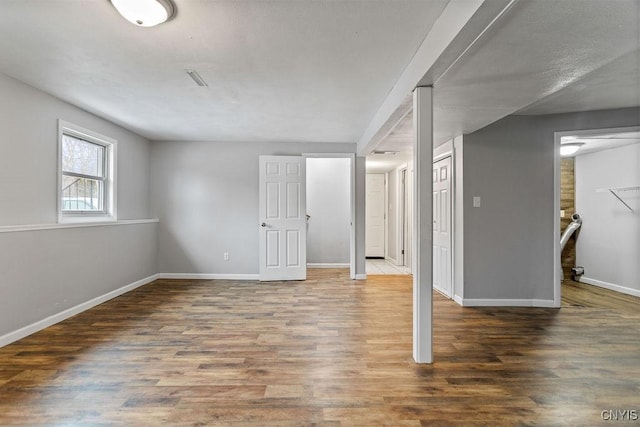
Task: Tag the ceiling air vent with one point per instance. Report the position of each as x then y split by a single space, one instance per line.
196 78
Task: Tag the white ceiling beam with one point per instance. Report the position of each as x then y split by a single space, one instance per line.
452 20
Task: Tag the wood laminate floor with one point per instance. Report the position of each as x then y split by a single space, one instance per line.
327 351
584 295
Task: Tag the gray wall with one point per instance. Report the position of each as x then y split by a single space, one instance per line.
206 196
44 272
329 205
361 192
28 156
509 241
608 244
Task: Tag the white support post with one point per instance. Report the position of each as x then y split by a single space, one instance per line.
423 225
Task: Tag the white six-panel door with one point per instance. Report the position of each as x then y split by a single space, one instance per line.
283 233
442 267
374 215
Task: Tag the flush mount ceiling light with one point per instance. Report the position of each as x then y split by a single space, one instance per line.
145 13
570 148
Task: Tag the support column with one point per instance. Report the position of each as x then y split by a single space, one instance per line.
423 225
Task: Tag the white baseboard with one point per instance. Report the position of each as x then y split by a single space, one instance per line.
610 286
59 317
327 265
458 299
393 260
361 277
442 291
198 276
543 303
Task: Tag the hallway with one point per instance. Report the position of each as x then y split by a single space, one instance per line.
376 266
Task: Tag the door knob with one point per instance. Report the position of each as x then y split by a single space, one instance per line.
264 224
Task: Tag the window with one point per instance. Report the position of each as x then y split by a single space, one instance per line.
86 180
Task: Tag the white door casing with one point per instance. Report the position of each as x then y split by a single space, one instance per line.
442 266
374 215
403 255
283 232
406 206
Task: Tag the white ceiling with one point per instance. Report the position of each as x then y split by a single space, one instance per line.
615 85
539 57
278 70
601 140
381 163
319 71
537 49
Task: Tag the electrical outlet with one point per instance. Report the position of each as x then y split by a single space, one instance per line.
476 201
225 256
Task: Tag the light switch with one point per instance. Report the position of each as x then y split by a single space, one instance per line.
561 213
476 201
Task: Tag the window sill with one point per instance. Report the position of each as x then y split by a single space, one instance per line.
103 223
87 218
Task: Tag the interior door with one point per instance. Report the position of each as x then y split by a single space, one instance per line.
442 266
374 215
283 232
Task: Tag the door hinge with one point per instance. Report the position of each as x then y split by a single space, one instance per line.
402 252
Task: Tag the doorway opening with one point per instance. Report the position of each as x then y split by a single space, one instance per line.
330 211
388 234
284 218
600 182
442 226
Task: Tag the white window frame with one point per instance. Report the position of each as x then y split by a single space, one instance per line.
109 202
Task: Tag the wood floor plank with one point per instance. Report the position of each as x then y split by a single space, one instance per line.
327 351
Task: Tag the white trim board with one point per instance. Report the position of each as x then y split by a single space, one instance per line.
328 265
39 227
541 303
65 314
610 286
361 277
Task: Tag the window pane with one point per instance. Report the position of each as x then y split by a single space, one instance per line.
82 194
81 156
